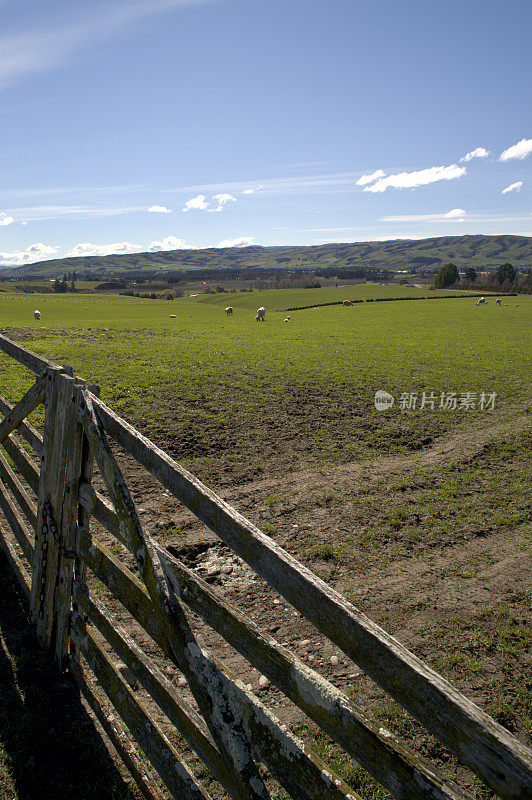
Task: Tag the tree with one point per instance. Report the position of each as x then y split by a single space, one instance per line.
505 273
447 275
470 275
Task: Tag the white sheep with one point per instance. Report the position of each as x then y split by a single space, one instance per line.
288 319
347 303
498 301
481 302
229 311
36 315
173 316
261 314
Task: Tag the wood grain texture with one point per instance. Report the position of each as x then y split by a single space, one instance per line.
22 462
17 565
175 775
16 521
487 748
189 724
25 429
116 732
25 357
18 491
397 767
33 397
205 684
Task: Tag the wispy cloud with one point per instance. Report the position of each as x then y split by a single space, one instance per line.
251 191
520 150
24 54
5 219
46 212
412 180
453 214
513 187
478 152
199 203
373 176
240 241
159 210
35 252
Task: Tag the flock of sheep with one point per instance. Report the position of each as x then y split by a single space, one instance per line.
261 312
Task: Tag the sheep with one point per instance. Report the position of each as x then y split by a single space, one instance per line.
288 319
481 302
229 311
498 301
173 316
36 315
261 314
347 303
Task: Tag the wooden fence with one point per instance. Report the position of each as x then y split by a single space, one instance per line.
49 539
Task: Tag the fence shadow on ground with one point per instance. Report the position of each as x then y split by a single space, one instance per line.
52 746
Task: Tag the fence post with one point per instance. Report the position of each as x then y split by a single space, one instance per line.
56 441
74 522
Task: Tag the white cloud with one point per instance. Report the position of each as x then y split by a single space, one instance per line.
365 179
222 199
251 191
453 214
5 219
199 202
241 241
160 210
35 252
513 187
168 243
478 152
88 249
520 150
411 180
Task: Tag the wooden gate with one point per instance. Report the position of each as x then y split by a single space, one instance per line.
53 517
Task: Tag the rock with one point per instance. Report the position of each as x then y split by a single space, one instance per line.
227 569
182 681
213 570
334 661
310 658
304 642
263 682
276 602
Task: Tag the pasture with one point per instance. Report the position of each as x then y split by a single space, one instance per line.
417 515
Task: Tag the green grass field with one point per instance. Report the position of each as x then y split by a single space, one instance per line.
204 370
418 516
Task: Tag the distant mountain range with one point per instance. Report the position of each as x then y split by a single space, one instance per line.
465 251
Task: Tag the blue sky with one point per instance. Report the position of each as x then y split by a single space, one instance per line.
128 125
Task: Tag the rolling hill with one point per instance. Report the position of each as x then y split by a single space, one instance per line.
466 251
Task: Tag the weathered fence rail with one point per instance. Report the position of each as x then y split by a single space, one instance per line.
51 532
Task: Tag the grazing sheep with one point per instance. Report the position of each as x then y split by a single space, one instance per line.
261 314
498 301
481 302
36 315
347 303
173 316
288 319
229 311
